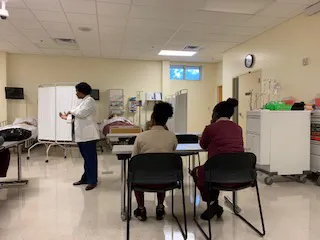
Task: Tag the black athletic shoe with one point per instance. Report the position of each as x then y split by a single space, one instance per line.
213 210
140 214
160 212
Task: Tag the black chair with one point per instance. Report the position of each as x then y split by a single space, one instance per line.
156 168
231 172
185 139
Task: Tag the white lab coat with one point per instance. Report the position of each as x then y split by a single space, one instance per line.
85 129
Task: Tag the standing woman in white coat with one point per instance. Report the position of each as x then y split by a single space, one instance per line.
86 134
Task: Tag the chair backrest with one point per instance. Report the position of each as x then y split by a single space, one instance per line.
155 168
231 168
131 140
187 138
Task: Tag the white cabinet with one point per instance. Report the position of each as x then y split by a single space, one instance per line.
280 140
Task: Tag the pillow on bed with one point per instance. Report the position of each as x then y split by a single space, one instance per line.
31 121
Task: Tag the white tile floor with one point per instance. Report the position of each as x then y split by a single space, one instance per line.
50 208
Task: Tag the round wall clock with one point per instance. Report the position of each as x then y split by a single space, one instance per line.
249 61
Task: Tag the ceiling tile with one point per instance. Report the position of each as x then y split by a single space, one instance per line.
55 26
50 16
169 14
50 5
284 10
16 4
263 21
105 20
79 6
154 24
36 36
116 1
178 4
6 46
60 34
8 28
26 25
113 9
109 30
20 13
78 18
218 18
236 6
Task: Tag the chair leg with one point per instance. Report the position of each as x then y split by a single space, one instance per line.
189 161
185 231
260 211
208 237
129 204
199 159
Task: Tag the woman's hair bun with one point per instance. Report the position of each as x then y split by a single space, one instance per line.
232 102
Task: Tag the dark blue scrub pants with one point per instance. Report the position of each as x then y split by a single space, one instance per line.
88 151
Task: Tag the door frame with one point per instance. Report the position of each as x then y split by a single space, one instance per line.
235 91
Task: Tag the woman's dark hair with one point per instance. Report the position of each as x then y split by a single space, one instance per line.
84 88
161 113
225 108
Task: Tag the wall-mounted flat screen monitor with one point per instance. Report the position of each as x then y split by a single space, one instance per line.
14 93
95 94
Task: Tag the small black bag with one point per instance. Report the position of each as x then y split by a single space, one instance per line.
15 134
298 106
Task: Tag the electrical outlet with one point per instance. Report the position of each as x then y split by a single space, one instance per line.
305 61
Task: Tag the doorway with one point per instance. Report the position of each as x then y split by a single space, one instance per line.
246 89
219 94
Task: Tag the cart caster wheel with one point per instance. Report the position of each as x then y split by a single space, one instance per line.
28 158
65 157
268 180
47 161
302 179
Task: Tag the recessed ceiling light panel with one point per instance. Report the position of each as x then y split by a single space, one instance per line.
177 53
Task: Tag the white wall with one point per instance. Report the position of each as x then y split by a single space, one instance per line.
30 71
279 53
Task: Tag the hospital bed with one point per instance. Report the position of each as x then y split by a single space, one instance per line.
29 124
118 126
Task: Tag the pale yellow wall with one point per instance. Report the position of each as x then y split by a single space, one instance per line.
30 71
279 53
3 84
201 94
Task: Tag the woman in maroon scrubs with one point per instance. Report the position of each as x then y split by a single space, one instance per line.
221 136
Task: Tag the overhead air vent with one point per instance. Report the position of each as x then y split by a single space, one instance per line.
65 41
191 48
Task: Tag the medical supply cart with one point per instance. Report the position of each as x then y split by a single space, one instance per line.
281 142
315 144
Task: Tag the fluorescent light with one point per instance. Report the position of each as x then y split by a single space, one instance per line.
176 53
